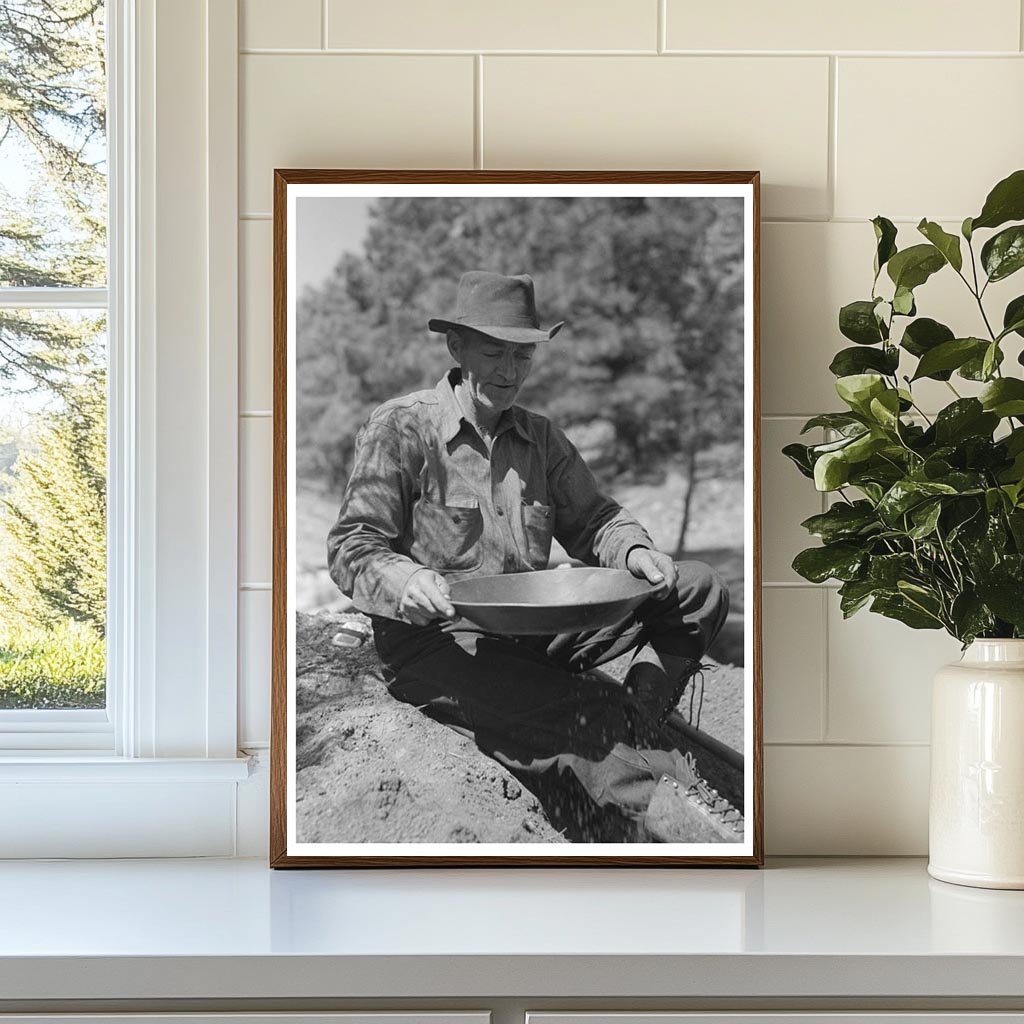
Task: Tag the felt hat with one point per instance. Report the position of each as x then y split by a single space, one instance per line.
498 306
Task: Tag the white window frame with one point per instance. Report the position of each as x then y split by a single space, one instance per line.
167 743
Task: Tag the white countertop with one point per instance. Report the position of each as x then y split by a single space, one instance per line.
234 928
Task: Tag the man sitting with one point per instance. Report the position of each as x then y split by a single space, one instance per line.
458 481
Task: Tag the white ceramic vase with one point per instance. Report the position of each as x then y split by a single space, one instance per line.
976 815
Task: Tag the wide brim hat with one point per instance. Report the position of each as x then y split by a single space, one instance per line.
501 307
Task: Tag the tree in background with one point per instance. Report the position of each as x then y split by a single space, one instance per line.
651 288
52 540
53 119
52 381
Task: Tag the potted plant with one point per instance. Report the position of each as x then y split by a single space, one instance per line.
926 524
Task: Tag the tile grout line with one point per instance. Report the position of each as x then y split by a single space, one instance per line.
833 134
478 111
823 724
848 744
662 29
323 24
1020 24
257 51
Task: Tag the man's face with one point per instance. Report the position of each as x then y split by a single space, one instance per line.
492 370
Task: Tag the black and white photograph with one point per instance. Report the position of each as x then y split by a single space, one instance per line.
515 502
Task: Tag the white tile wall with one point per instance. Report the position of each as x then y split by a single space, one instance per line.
256 302
969 110
255 512
331 110
471 25
908 110
261 25
254 664
874 25
700 113
879 677
794 664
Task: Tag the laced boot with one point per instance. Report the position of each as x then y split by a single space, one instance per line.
655 690
690 811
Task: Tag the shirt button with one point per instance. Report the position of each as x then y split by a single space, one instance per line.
501 511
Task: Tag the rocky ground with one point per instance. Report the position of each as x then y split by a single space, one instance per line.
371 769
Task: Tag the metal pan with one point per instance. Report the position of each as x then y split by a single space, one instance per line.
549 600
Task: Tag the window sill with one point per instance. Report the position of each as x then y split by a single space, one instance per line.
76 766
80 806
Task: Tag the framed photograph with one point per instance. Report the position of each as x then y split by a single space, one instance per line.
516 565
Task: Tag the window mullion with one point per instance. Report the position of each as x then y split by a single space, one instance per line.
53 298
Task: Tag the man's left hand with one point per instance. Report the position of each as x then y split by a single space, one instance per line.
654 566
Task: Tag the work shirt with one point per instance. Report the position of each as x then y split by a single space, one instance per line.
426 491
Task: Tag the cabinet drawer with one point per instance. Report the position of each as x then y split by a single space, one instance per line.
852 1017
355 1017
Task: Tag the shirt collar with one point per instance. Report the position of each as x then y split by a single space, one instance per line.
452 416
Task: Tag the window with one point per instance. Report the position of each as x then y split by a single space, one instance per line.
154 764
53 370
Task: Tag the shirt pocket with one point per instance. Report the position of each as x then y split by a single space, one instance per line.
448 538
539 526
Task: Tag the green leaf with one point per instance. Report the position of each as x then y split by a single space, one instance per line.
925 518
840 561
912 267
841 421
903 302
1005 596
885 571
970 617
966 417
885 409
843 521
947 244
857 321
799 455
899 608
974 368
854 594
1004 397
849 361
1015 519
1003 254
923 335
1013 317
965 229
1005 202
864 446
1014 441
831 471
906 494
885 237
858 389
950 355
990 361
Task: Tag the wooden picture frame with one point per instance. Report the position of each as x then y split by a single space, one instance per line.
336 806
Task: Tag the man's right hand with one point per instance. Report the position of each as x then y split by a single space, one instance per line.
426 598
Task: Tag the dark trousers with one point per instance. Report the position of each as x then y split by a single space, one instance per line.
589 751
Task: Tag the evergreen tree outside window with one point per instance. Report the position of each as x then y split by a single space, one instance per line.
53 359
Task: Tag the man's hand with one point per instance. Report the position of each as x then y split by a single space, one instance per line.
426 597
654 566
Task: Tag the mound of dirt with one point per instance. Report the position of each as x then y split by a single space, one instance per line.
371 769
